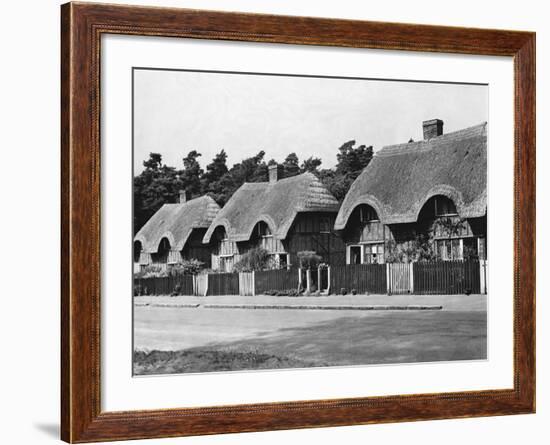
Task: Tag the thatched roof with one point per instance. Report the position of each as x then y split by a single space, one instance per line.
401 178
175 222
276 204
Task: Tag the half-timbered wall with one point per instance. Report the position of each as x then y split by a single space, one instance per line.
195 249
314 232
451 237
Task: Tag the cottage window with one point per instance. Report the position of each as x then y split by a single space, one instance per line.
450 249
374 254
137 251
263 230
367 214
470 249
225 248
226 264
482 248
444 206
283 261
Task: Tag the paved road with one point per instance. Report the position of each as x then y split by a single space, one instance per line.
210 336
181 328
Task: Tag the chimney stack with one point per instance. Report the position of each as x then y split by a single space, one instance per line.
275 171
432 128
183 196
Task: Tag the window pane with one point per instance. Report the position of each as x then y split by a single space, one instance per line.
455 248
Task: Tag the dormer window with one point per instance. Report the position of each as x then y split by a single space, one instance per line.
367 214
263 230
444 206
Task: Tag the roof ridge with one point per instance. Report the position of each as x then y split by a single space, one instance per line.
429 144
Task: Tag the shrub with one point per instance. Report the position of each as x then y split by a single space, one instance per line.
152 271
255 259
176 291
293 293
343 291
137 290
353 292
309 259
187 267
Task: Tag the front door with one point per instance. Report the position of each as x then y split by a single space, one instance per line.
355 255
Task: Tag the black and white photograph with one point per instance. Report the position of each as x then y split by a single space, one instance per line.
285 221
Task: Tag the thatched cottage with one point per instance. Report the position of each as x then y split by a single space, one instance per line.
285 216
420 200
175 233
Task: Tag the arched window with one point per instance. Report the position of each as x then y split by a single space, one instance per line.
444 206
162 253
436 207
137 251
367 214
262 230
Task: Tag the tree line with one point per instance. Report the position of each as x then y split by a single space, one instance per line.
159 183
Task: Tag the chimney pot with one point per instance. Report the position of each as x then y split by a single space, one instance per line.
183 196
432 128
274 171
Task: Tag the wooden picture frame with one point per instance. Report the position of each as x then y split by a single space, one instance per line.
82 26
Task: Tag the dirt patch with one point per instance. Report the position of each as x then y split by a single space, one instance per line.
204 360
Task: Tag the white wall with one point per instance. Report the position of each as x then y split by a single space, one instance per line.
29 135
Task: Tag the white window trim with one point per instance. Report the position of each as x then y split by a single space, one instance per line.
348 252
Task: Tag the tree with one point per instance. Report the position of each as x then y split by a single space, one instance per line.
253 169
311 165
191 174
156 185
154 162
211 180
351 162
291 166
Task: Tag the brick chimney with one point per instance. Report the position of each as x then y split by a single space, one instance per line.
183 196
432 128
275 171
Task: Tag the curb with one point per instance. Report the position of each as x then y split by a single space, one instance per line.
185 306
378 307
381 307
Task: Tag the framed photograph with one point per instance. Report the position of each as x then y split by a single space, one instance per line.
274 222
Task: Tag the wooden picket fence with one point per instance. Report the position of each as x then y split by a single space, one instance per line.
435 277
399 278
282 280
223 283
363 278
182 284
246 283
200 285
447 277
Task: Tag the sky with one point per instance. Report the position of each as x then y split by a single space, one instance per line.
179 111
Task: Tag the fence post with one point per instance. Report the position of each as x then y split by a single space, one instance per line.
308 280
328 280
388 278
253 283
483 276
411 277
